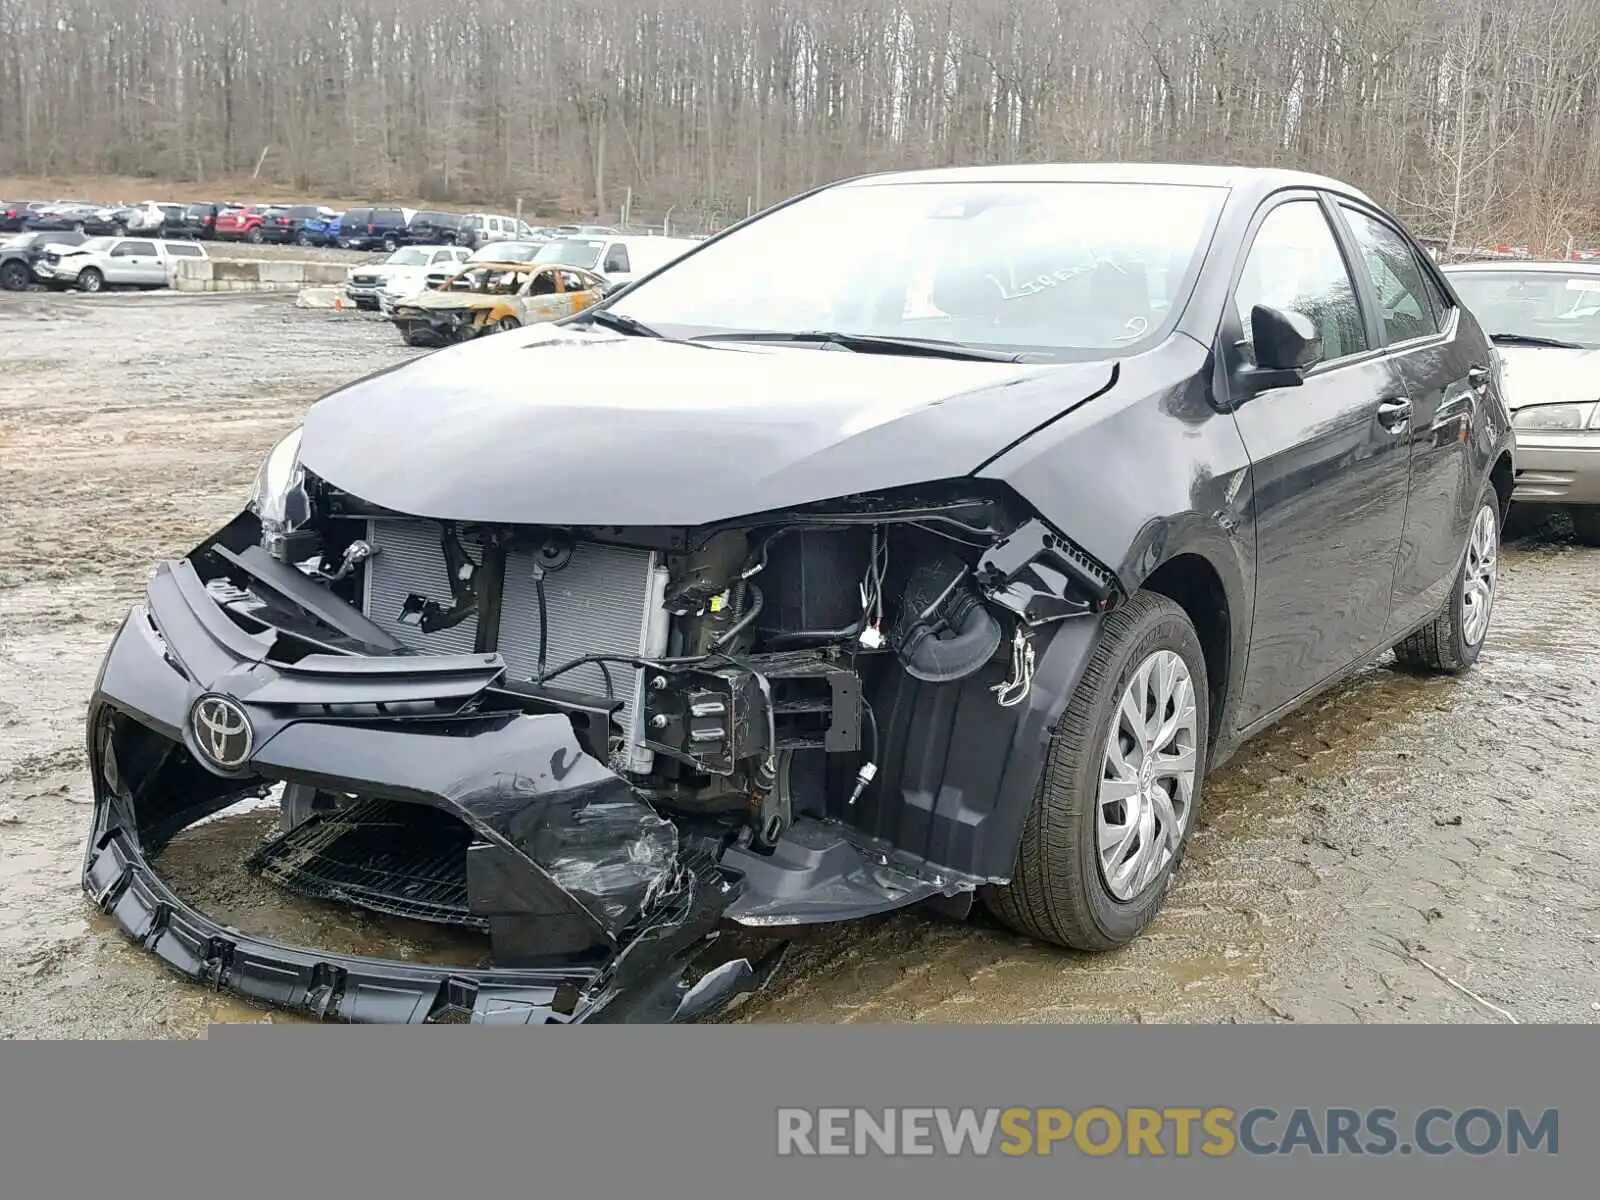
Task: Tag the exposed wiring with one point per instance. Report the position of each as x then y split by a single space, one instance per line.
757 602
872 728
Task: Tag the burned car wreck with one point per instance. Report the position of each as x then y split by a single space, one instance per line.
674 618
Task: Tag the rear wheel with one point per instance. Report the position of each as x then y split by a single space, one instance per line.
391 243
507 324
1586 523
1112 815
1452 641
15 276
302 238
91 280
255 236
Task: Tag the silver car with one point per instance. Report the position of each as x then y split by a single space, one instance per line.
1544 319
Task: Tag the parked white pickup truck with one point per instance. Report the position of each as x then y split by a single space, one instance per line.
106 262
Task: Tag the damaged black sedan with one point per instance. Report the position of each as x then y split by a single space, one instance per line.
782 588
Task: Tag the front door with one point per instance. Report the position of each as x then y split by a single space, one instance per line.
133 261
1443 376
1328 465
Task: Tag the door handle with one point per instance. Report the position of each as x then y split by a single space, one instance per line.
1394 414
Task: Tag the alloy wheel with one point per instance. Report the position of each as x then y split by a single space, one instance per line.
1479 580
1147 785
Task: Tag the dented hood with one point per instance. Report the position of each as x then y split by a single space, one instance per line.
564 426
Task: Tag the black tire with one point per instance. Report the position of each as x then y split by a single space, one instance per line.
255 236
1586 524
1442 646
1057 893
91 280
15 276
391 243
507 324
302 238
77 227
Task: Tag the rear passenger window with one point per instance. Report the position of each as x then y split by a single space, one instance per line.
133 249
1295 265
616 259
1397 278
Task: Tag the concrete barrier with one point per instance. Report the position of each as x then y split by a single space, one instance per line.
235 275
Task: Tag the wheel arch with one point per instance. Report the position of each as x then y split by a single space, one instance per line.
1191 581
1502 477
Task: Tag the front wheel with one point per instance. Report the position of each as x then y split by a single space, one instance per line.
507 324
91 280
254 237
1123 777
15 276
1451 642
302 239
391 243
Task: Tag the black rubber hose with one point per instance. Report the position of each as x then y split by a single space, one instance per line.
544 620
950 637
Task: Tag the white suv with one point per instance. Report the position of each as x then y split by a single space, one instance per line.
104 262
401 274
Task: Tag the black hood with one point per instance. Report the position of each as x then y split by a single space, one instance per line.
562 426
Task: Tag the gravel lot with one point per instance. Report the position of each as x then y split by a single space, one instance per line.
1399 822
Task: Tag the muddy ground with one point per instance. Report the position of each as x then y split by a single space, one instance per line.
1399 821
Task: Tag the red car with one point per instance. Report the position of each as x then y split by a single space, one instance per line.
242 224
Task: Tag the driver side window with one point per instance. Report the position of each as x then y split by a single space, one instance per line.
1295 265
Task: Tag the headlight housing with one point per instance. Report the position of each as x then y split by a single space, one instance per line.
278 495
1557 418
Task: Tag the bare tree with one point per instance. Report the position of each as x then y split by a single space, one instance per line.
1474 119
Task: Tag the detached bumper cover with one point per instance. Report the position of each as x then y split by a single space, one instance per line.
593 909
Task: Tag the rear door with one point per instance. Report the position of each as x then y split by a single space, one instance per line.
1442 368
1328 469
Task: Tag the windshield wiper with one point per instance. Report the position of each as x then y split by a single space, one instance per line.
622 324
1528 339
870 343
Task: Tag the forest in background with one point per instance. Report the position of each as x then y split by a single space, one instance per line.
1476 120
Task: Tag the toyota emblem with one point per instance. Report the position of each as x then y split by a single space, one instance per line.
222 731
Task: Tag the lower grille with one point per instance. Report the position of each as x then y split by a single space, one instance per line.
605 600
401 859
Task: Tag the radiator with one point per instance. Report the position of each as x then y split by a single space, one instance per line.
605 600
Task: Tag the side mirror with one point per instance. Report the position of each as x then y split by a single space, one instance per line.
1285 341
611 288
1287 345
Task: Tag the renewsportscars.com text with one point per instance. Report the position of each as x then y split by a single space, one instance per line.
1167 1132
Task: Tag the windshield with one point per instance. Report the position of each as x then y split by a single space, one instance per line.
1068 269
1560 305
409 256
571 252
489 280
506 252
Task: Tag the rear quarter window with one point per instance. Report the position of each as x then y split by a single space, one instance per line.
179 250
388 216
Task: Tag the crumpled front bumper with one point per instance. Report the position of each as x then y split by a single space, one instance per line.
553 830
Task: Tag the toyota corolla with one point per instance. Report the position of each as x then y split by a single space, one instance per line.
771 591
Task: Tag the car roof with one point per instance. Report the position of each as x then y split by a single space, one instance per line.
1526 265
1262 179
